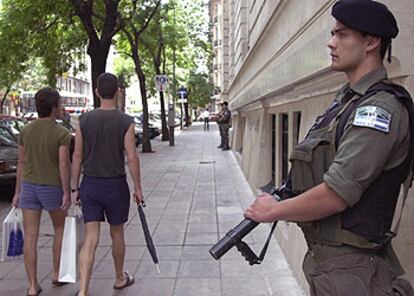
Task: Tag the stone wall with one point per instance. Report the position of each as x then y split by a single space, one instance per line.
286 72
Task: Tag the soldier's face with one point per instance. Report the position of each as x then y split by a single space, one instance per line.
348 48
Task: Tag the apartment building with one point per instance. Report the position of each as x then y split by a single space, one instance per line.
221 60
273 67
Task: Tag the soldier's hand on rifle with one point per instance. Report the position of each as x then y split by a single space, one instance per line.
262 210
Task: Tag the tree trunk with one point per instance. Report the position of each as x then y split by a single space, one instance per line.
4 99
187 117
146 144
98 57
164 126
98 47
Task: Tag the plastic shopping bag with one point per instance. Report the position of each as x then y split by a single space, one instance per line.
73 233
12 236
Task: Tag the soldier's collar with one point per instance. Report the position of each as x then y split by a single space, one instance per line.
368 80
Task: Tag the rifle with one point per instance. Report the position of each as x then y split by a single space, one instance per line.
235 235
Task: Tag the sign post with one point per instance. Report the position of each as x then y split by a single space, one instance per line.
161 83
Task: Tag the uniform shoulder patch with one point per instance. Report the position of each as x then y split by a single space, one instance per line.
372 117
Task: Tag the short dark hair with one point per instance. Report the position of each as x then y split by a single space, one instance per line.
45 99
225 103
107 85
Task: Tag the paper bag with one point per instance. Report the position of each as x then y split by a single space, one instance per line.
73 233
12 236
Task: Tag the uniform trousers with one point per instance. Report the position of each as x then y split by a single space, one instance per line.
352 273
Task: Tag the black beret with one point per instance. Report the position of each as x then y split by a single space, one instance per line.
366 16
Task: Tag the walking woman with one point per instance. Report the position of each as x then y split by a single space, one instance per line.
43 181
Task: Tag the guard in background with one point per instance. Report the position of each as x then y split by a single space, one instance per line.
223 120
347 173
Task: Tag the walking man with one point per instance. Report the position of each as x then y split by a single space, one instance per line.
206 117
347 172
104 191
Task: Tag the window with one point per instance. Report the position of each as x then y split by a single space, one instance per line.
296 126
284 142
273 147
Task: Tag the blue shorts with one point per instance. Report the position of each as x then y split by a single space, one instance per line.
38 197
105 197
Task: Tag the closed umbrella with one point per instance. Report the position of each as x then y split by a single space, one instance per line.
147 235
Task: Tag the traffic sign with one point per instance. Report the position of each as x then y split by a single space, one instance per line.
182 94
161 82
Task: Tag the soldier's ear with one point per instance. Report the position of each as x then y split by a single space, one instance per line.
374 43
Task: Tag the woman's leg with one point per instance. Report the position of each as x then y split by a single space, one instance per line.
31 222
58 221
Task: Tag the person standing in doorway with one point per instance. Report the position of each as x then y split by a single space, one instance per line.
347 173
224 120
104 191
43 181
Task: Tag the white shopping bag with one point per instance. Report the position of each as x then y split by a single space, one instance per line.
73 234
12 236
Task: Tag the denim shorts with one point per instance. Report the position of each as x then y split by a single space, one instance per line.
38 197
105 197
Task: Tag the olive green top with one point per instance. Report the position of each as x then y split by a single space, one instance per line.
41 140
364 152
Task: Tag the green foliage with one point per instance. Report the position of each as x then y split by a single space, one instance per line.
38 30
181 25
200 89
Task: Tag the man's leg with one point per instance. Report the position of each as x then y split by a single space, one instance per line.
226 138
58 221
87 255
31 222
118 252
221 136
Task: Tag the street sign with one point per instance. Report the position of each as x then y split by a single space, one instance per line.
161 82
182 92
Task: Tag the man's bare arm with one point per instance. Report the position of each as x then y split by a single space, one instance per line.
133 163
77 162
64 170
19 174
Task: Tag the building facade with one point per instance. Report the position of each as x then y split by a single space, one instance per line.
219 12
279 79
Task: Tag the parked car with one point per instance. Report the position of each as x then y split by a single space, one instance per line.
154 131
8 157
14 124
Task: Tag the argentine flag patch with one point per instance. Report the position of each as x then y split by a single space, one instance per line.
373 117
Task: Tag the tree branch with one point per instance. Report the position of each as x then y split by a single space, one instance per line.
144 27
84 9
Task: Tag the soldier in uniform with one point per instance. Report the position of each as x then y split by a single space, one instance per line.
347 173
224 126
218 119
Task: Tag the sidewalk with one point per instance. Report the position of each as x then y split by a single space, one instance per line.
194 194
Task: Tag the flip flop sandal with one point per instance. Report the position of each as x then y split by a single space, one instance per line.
129 280
37 293
58 284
